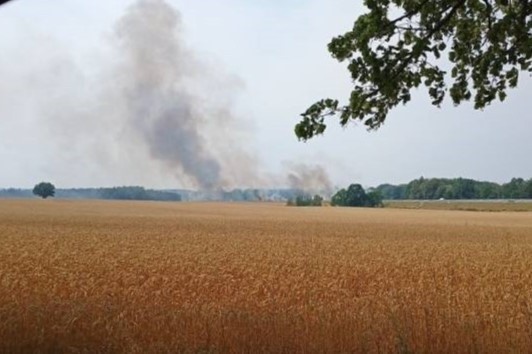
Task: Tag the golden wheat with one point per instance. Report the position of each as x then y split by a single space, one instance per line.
155 277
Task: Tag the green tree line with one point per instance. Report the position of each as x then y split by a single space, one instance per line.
138 193
306 200
457 188
114 193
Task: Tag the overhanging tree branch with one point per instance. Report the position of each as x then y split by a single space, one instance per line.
486 57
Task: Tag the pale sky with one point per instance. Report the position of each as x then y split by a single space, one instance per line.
274 54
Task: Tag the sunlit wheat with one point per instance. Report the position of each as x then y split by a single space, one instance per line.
155 277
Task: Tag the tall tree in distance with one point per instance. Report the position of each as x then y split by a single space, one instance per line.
398 45
44 190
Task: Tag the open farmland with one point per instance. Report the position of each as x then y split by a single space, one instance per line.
80 276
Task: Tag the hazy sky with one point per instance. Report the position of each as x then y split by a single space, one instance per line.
270 62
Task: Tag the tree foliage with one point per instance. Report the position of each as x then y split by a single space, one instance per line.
115 193
398 46
306 200
457 188
44 190
356 196
137 193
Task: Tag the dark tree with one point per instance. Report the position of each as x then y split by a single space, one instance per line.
487 44
306 200
515 188
374 199
317 200
355 196
44 190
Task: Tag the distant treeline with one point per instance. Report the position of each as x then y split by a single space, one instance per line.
115 193
457 188
16 193
422 188
140 193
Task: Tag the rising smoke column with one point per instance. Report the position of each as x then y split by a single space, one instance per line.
147 111
155 72
309 178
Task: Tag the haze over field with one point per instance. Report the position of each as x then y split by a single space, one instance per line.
214 102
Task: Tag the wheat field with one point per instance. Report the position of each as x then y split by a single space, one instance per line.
143 277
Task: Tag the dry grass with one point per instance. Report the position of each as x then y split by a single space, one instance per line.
153 277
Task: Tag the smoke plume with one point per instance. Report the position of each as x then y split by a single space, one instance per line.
310 179
160 109
148 110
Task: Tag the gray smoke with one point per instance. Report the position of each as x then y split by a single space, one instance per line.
156 71
309 179
147 110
